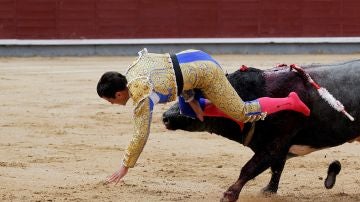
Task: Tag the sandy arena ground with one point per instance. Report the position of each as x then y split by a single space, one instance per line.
59 141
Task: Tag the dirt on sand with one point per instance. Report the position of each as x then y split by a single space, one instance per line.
59 141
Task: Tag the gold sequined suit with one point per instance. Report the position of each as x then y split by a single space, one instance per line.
151 80
206 74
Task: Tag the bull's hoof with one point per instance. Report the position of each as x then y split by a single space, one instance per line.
268 190
333 171
229 196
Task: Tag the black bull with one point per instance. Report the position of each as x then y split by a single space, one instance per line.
274 137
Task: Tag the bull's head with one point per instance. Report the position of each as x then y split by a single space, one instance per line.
173 120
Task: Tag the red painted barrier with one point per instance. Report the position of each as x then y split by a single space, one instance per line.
110 19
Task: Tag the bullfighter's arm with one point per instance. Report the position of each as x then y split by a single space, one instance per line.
188 95
142 119
195 105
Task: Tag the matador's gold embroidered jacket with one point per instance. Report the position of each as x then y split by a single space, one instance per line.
151 80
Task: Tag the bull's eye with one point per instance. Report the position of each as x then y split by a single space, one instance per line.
165 120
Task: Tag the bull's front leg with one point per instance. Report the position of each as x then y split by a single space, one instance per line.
276 169
256 165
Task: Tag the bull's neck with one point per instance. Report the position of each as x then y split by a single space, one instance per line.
228 129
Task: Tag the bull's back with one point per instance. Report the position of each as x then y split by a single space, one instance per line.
341 80
326 126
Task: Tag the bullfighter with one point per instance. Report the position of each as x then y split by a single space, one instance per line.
160 78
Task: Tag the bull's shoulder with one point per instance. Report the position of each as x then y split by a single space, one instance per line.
248 83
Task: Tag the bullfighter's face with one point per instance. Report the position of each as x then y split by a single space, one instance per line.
121 97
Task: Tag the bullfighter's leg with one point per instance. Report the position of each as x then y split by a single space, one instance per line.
220 92
292 102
